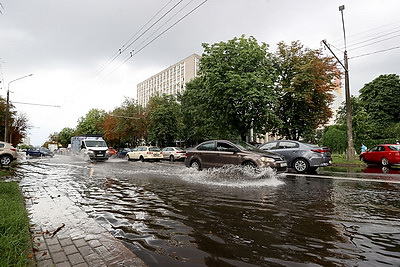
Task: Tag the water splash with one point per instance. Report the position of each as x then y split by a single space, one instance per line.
233 176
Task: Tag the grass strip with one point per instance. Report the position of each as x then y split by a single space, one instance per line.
15 240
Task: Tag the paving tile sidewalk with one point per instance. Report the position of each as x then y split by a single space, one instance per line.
64 235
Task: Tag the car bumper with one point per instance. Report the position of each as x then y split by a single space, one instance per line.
320 162
278 166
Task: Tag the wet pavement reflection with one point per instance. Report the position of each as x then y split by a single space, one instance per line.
170 215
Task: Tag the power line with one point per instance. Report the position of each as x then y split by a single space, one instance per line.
134 52
33 104
130 42
376 52
376 42
377 37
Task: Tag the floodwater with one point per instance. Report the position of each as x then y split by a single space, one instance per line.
170 215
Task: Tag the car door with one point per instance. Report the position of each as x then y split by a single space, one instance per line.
373 154
288 149
206 154
167 152
226 154
134 153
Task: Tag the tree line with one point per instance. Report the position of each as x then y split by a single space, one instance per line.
242 91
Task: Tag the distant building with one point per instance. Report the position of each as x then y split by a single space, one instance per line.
170 81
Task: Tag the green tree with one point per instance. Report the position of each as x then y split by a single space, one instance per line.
64 137
363 125
198 122
380 98
335 137
124 125
91 123
236 83
165 124
306 79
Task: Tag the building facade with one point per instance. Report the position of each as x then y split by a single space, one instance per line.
170 81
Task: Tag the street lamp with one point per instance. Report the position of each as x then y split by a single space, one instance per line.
6 126
349 120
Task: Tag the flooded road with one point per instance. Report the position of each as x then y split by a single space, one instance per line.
170 215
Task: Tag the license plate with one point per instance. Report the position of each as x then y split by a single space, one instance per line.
156 154
100 155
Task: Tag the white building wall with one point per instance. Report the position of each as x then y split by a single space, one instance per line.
170 81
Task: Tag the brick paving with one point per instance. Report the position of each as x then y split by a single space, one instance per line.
64 235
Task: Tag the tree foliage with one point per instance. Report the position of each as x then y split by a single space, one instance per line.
380 98
363 125
91 123
198 123
19 124
335 137
305 83
164 118
236 86
125 125
64 136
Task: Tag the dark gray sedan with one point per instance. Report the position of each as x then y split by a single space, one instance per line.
300 156
217 153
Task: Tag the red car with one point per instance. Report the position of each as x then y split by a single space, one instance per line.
387 154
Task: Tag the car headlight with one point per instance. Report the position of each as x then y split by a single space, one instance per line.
267 159
91 152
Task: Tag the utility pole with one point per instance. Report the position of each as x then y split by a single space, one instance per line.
350 152
7 123
349 120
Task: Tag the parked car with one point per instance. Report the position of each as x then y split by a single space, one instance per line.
386 155
300 156
39 152
8 153
145 153
173 153
122 152
111 151
216 153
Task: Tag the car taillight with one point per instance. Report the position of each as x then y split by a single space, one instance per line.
149 152
13 149
161 152
321 150
181 152
186 155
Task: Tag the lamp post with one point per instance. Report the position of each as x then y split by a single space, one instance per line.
6 126
349 120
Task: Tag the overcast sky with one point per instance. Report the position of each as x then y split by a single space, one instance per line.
67 45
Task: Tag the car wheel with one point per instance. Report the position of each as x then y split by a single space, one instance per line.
385 162
300 165
127 157
141 158
5 160
195 164
172 158
250 166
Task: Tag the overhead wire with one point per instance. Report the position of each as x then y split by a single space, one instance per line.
128 43
375 42
135 52
376 52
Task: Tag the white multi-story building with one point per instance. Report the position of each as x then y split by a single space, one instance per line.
170 81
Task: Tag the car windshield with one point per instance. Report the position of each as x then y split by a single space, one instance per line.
245 146
95 143
154 149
